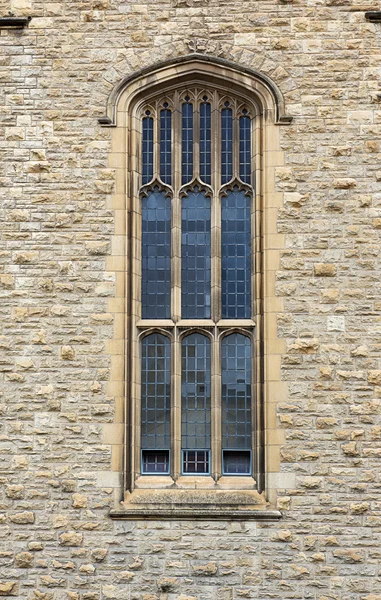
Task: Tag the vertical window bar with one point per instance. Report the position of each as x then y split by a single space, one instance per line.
195 256
236 255
155 403
226 144
236 361
195 403
147 149
245 148
166 144
187 142
205 141
156 255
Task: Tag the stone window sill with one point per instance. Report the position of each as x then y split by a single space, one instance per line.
196 505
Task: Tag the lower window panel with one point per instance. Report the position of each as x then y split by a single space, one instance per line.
196 462
155 462
236 462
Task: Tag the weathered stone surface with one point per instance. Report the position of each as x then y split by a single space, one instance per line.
22 518
67 353
62 290
79 501
24 560
70 538
8 588
324 270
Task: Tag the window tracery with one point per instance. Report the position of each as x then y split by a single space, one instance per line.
193 310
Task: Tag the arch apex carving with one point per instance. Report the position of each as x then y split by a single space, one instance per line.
264 89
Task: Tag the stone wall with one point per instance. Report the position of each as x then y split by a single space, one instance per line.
60 299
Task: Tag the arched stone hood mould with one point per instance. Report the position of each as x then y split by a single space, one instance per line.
264 89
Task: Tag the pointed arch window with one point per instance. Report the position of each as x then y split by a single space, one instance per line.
194 298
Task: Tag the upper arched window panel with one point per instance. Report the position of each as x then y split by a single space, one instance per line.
197 133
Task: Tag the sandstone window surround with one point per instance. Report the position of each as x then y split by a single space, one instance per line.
195 131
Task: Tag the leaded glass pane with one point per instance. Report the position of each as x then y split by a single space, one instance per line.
236 462
205 142
195 401
166 145
245 149
226 144
156 255
147 149
187 142
236 255
236 370
155 393
195 256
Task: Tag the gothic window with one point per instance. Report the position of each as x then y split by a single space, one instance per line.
192 314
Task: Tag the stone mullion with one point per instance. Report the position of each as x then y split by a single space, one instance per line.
216 288
176 404
216 408
176 294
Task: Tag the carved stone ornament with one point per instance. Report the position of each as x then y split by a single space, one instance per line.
196 45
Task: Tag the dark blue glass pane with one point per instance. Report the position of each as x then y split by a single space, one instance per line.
147 150
155 462
187 143
226 145
156 255
155 393
236 462
195 394
236 255
195 256
205 142
165 146
245 149
236 392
